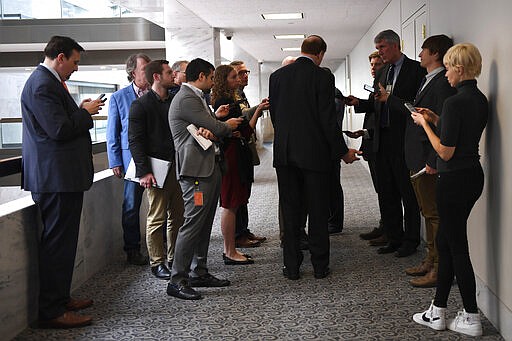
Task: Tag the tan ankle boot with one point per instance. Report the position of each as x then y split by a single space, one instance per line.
429 280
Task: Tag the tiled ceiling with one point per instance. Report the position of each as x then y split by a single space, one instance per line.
341 23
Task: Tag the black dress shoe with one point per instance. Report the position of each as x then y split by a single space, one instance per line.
134 257
161 272
180 290
322 274
404 251
390 248
375 233
334 229
229 261
208 281
293 275
246 255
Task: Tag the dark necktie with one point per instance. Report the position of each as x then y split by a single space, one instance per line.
423 81
384 117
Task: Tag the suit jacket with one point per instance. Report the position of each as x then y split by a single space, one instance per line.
303 111
418 149
367 106
118 149
56 152
405 89
148 132
191 159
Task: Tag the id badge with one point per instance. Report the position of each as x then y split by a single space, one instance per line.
389 88
198 195
198 198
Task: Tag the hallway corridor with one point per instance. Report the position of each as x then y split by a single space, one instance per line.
367 296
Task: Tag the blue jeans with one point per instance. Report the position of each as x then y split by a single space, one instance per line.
131 218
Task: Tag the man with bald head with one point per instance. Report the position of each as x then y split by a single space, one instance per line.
307 141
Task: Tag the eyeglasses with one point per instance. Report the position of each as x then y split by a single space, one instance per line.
244 72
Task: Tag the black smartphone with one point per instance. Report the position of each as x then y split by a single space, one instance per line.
101 96
410 107
369 88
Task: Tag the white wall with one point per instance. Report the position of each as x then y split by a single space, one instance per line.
487 25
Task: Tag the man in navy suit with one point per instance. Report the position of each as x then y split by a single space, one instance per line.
400 80
57 169
119 155
307 142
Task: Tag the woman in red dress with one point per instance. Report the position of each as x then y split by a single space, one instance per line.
238 176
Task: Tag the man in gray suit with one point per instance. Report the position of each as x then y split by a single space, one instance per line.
199 175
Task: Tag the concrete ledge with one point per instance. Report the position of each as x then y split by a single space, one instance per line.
99 241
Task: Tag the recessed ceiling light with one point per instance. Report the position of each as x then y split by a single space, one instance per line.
289 36
114 69
290 49
282 16
103 67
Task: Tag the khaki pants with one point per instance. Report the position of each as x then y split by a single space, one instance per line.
165 209
425 190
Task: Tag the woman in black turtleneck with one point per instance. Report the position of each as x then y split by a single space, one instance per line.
459 185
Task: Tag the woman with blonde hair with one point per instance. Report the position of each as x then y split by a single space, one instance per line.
237 179
459 185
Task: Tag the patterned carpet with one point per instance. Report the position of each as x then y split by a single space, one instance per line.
367 296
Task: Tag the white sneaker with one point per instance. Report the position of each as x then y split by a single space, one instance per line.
434 317
466 323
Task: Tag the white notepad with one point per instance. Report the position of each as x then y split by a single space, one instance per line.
159 167
203 142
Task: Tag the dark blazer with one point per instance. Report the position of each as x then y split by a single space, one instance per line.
405 88
57 153
418 149
367 106
306 134
148 132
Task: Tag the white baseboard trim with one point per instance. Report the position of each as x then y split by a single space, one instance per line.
494 309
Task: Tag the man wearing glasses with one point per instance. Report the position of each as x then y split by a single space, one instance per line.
178 68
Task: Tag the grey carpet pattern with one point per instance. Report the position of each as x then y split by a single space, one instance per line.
367 296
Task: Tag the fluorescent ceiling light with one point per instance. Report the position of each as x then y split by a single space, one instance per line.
290 49
289 36
282 16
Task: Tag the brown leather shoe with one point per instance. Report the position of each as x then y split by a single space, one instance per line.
67 320
246 242
252 236
75 304
379 241
419 270
427 281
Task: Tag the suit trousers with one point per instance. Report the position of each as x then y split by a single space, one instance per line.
60 213
336 202
242 219
165 205
395 190
131 218
190 257
425 190
299 188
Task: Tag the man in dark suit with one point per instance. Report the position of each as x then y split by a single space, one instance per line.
401 77
119 155
419 152
307 142
376 236
57 169
149 136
